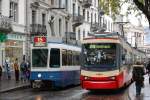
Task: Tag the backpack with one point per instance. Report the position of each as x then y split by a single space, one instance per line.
138 74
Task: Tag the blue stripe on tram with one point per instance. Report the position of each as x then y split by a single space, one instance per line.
59 78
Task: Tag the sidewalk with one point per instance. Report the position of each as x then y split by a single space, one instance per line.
145 93
9 85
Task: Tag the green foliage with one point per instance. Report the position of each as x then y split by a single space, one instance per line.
141 1
136 7
110 7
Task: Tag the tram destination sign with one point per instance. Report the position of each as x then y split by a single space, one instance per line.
40 41
93 46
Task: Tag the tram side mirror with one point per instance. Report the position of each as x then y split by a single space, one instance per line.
123 57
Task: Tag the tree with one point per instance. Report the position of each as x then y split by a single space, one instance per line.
144 6
110 7
114 6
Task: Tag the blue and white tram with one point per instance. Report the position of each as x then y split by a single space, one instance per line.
56 65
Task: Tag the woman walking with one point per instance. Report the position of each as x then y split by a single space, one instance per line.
16 68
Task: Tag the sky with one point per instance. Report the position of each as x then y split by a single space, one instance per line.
136 21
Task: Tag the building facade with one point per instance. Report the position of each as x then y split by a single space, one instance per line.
59 20
135 35
12 15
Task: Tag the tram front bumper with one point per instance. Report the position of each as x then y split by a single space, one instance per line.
99 85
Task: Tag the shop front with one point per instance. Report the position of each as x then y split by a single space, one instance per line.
14 47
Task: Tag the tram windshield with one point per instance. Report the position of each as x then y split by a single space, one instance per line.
99 55
39 57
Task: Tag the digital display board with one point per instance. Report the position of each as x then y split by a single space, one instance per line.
94 46
40 41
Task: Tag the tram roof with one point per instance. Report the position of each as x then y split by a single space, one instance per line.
104 37
113 37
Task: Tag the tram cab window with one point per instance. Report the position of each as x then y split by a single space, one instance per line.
99 55
39 57
54 58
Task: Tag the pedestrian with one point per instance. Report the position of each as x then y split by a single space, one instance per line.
138 76
148 70
0 72
16 68
23 70
7 69
28 70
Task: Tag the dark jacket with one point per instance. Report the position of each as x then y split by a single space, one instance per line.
0 71
148 67
138 74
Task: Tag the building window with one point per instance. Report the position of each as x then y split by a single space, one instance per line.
60 26
33 17
83 34
95 3
52 2
59 3
14 11
95 17
73 10
79 34
66 26
87 16
0 7
84 13
43 19
52 26
91 18
66 5
78 10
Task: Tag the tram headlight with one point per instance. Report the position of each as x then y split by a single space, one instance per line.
112 77
39 75
86 77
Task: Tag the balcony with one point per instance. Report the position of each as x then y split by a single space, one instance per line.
95 27
70 38
103 27
35 5
5 24
87 3
38 29
77 20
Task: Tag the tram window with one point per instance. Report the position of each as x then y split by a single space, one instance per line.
64 57
39 57
69 57
55 58
75 58
99 54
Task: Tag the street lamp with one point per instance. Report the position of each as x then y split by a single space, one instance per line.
122 28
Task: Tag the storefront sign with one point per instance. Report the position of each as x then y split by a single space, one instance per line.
40 41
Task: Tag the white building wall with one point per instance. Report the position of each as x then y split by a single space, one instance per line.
5 7
21 12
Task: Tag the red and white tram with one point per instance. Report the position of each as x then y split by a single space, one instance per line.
107 61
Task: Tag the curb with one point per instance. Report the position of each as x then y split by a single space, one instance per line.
15 88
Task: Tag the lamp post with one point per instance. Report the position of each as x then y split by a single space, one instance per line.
121 27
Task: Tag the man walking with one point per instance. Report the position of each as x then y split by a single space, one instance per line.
138 72
23 67
0 72
148 70
7 69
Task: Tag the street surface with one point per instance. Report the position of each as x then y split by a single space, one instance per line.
77 93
